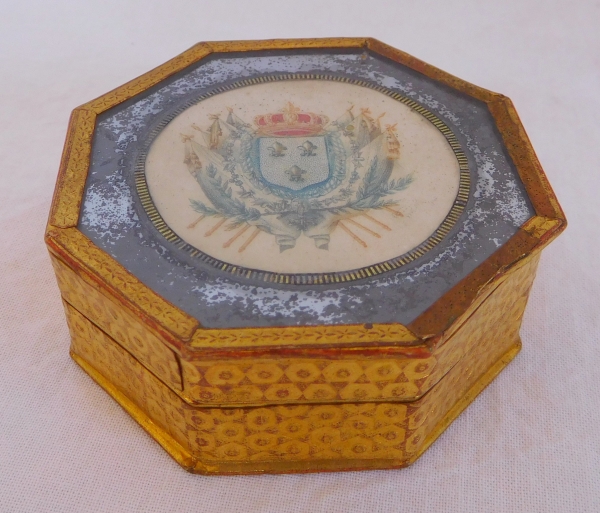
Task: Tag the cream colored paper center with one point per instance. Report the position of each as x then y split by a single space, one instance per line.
302 176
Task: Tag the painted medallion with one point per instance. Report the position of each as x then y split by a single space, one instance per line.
316 177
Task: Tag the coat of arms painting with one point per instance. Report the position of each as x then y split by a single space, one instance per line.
304 175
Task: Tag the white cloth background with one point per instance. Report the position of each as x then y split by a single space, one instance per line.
529 443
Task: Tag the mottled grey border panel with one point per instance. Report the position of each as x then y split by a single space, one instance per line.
497 207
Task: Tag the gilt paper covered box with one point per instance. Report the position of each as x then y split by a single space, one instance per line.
291 256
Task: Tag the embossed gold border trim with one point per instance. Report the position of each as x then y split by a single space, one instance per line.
453 306
460 202
74 166
105 273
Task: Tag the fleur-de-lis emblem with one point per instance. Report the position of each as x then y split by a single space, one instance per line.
295 173
307 149
277 149
290 113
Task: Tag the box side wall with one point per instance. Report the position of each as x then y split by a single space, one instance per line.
305 438
486 342
123 327
280 380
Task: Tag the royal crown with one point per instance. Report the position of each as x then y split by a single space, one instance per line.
290 122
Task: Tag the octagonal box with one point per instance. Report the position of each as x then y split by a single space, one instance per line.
290 256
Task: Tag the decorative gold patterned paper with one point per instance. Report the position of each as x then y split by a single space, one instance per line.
133 335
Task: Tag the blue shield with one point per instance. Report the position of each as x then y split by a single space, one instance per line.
294 163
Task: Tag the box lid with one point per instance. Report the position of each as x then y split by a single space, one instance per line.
305 195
